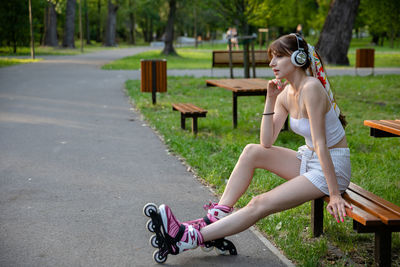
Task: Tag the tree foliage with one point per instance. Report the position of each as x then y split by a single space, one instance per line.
146 20
382 18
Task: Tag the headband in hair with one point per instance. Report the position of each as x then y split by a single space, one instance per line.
319 73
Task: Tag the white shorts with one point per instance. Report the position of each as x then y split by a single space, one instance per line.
311 167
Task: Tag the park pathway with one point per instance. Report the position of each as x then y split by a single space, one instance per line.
77 164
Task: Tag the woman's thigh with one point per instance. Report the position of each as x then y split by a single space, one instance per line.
279 160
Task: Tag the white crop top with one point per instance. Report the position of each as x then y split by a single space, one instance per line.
333 128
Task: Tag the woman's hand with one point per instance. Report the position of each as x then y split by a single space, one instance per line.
336 207
275 87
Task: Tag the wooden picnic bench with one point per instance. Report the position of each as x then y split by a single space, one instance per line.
220 59
370 214
189 110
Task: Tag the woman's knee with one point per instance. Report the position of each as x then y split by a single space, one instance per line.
252 152
260 206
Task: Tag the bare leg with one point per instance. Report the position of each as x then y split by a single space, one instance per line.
279 160
288 195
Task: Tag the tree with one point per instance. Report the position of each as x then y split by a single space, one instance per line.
69 30
14 24
169 30
334 41
87 24
132 22
239 13
50 26
381 26
111 26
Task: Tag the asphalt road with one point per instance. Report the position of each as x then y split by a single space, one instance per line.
77 165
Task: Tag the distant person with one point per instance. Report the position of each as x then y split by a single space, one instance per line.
318 168
299 30
232 35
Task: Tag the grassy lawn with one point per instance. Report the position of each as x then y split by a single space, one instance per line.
46 50
6 54
5 62
200 58
215 150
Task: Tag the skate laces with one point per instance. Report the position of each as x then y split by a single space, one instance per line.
217 211
209 206
214 205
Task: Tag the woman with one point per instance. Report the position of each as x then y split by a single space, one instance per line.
321 167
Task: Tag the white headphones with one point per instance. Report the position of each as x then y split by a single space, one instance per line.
299 57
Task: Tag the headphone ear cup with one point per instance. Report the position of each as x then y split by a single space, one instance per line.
299 58
293 58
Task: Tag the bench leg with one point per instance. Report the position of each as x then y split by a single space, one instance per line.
194 125
317 217
234 109
183 120
383 247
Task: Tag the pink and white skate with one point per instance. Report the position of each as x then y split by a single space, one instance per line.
182 236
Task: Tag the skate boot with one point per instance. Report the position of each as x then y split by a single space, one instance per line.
171 236
215 212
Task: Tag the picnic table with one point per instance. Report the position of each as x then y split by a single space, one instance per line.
241 87
384 128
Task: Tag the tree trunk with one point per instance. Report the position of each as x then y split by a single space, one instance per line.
50 36
69 29
169 30
111 27
195 27
87 23
334 41
98 30
132 22
45 19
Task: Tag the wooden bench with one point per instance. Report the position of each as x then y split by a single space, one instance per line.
370 214
189 110
220 59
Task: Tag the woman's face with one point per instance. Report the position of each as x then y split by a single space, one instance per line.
281 65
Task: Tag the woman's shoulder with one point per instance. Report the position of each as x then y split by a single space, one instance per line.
312 86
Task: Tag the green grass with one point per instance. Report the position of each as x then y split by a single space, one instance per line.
47 50
5 62
6 53
187 59
215 150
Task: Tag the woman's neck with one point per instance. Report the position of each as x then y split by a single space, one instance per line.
296 79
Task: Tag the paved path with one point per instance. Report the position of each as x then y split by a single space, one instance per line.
77 164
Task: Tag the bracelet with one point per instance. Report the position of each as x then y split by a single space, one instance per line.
270 113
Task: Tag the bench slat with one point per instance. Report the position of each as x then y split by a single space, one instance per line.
384 125
188 108
374 198
385 215
221 58
358 214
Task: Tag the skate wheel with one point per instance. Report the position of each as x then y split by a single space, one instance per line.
221 251
154 241
149 209
206 249
159 258
151 226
